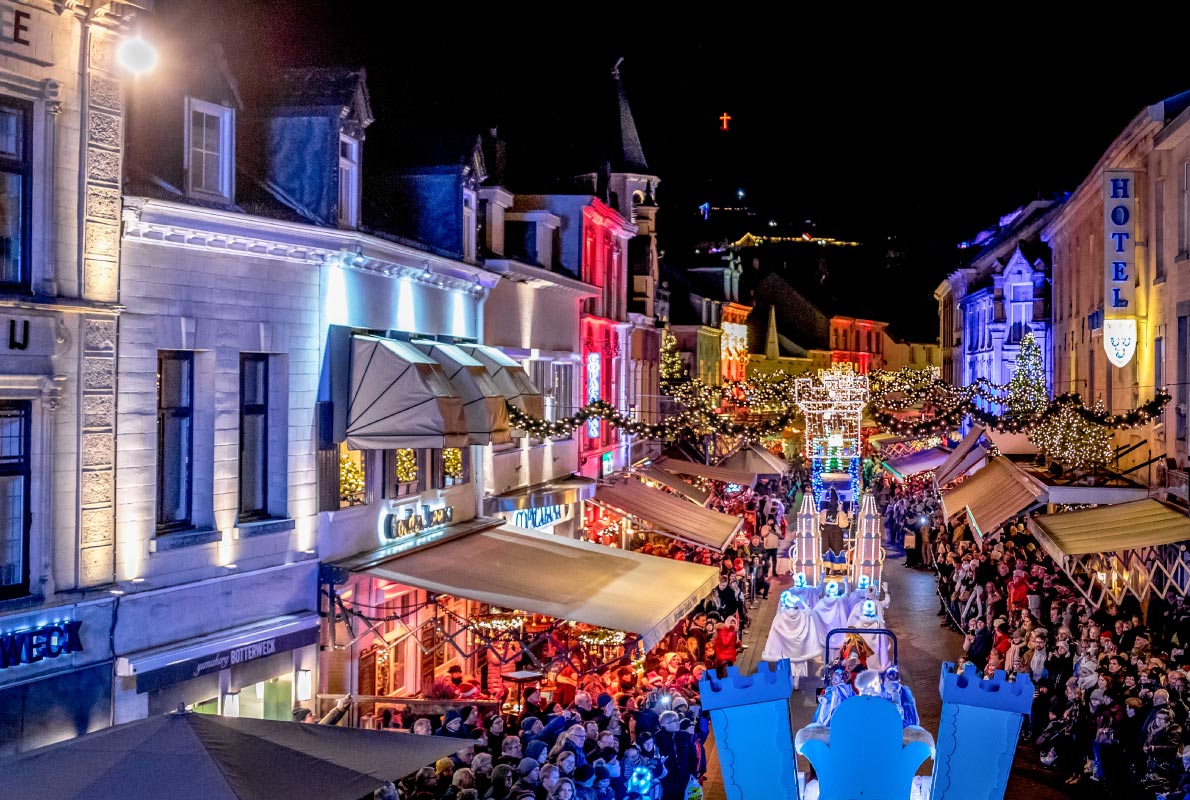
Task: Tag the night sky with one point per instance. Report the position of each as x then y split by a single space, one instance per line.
910 131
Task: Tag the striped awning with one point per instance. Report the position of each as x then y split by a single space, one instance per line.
484 410
510 378
994 495
670 515
1110 529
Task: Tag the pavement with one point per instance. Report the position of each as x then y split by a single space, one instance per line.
923 644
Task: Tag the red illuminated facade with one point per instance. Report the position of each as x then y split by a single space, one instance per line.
859 342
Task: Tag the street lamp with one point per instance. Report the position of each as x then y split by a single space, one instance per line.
136 55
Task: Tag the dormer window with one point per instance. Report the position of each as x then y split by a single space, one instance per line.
210 149
349 184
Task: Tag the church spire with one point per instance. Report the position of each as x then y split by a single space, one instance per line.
626 153
771 351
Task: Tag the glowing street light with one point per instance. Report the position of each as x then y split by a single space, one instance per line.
136 55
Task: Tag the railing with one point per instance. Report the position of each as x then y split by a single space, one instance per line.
368 708
1175 486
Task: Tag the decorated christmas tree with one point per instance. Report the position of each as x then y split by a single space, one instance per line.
672 371
1027 396
1073 441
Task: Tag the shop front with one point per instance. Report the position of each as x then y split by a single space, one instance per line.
502 603
258 671
55 675
553 507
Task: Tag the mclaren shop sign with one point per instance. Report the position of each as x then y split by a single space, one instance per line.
1119 275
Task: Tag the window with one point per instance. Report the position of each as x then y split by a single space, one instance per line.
563 379
1182 395
175 439
1159 231
15 192
403 472
210 152
1020 311
348 181
1159 370
254 436
15 515
353 475
1184 211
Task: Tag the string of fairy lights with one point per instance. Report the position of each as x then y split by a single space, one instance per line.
766 405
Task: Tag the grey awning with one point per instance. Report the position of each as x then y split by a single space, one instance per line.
484 411
680 466
400 398
670 515
687 490
510 378
561 492
962 458
994 495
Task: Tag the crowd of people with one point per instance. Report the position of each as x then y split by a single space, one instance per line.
1112 694
633 730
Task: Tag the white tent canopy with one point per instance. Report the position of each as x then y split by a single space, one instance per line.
669 514
756 460
510 378
484 411
541 573
400 398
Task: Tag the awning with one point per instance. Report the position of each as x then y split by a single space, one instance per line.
164 666
960 459
400 398
922 461
670 515
992 496
510 378
1108 529
484 411
689 491
680 466
755 460
566 579
561 492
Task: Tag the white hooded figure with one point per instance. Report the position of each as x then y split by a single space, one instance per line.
869 614
830 612
793 636
809 594
864 590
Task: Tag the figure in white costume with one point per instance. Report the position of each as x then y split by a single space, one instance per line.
830 612
793 636
869 615
808 593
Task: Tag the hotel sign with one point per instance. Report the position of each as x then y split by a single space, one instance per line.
1119 275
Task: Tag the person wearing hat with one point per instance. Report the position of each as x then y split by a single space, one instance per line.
584 782
531 706
528 776
452 725
333 717
603 784
502 778
445 769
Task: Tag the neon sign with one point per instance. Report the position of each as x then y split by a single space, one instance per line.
594 390
412 521
45 641
538 517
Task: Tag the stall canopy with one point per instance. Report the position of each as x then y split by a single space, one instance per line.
510 378
680 466
967 454
1127 526
755 460
541 573
922 461
687 490
993 495
190 756
670 515
400 398
484 411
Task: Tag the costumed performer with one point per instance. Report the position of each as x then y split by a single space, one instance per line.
869 615
793 636
830 612
900 695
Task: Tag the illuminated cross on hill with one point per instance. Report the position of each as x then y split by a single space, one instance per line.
725 119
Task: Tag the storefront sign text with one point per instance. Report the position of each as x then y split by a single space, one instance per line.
48 641
223 659
27 32
27 336
1119 278
411 521
538 517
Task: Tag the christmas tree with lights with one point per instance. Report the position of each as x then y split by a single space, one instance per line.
1072 440
1027 397
672 371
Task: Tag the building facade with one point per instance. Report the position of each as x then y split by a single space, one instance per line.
1152 153
62 105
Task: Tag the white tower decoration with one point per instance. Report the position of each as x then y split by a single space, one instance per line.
833 406
807 557
868 554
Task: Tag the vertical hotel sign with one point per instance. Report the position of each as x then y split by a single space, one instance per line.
1119 275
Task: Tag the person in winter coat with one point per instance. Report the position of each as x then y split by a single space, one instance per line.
724 647
502 778
678 749
452 725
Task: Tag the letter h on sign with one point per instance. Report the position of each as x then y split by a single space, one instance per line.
1119 226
